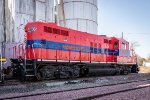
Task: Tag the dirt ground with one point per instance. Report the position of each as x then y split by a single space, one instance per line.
144 69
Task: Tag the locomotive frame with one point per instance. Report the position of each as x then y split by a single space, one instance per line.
53 51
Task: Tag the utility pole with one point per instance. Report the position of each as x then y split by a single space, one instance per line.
122 35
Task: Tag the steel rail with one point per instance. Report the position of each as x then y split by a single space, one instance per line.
111 93
84 98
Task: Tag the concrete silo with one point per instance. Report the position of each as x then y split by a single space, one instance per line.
78 14
81 15
15 14
20 12
1 21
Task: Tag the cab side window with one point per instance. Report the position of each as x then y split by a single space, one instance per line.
116 45
124 46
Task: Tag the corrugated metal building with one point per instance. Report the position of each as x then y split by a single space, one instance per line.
81 15
1 20
146 63
20 12
14 14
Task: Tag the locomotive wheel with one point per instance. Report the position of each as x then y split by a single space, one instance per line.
84 71
2 78
134 69
118 72
39 76
57 74
126 72
122 72
76 71
22 77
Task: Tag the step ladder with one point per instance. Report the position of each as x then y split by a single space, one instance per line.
29 68
30 64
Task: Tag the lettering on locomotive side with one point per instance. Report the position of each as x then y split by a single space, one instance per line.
32 29
74 48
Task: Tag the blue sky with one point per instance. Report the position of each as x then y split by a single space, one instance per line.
132 17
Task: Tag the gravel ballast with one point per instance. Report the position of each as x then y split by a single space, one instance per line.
52 86
77 94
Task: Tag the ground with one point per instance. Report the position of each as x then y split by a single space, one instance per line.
144 69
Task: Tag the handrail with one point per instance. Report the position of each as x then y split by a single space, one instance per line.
56 54
15 51
18 51
21 51
34 50
28 51
90 56
41 51
48 51
1 67
80 56
1 61
69 55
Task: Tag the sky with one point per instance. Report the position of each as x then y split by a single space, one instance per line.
132 17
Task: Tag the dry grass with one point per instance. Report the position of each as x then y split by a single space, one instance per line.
144 69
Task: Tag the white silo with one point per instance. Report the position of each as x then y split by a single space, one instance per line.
81 15
20 12
15 14
1 21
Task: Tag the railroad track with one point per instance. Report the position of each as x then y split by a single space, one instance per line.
13 82
83 98
111 93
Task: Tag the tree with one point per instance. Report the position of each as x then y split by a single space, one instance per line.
148 58
133 45
140 60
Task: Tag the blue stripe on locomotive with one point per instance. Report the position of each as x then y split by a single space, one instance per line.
74 48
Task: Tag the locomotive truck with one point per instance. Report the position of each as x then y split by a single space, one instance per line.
52 51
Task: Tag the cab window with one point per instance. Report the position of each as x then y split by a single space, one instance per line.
116 45
124 46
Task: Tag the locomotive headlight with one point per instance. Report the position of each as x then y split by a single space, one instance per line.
32 29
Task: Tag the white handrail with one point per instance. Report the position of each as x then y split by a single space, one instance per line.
1 59
33 49
1 64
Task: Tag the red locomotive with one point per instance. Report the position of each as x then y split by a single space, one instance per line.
53 51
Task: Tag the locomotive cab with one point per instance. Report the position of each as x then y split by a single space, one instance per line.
115 48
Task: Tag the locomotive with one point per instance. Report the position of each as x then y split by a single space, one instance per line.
52 51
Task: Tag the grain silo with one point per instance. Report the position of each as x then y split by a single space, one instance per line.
19 12
81 15
15 14
1 21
